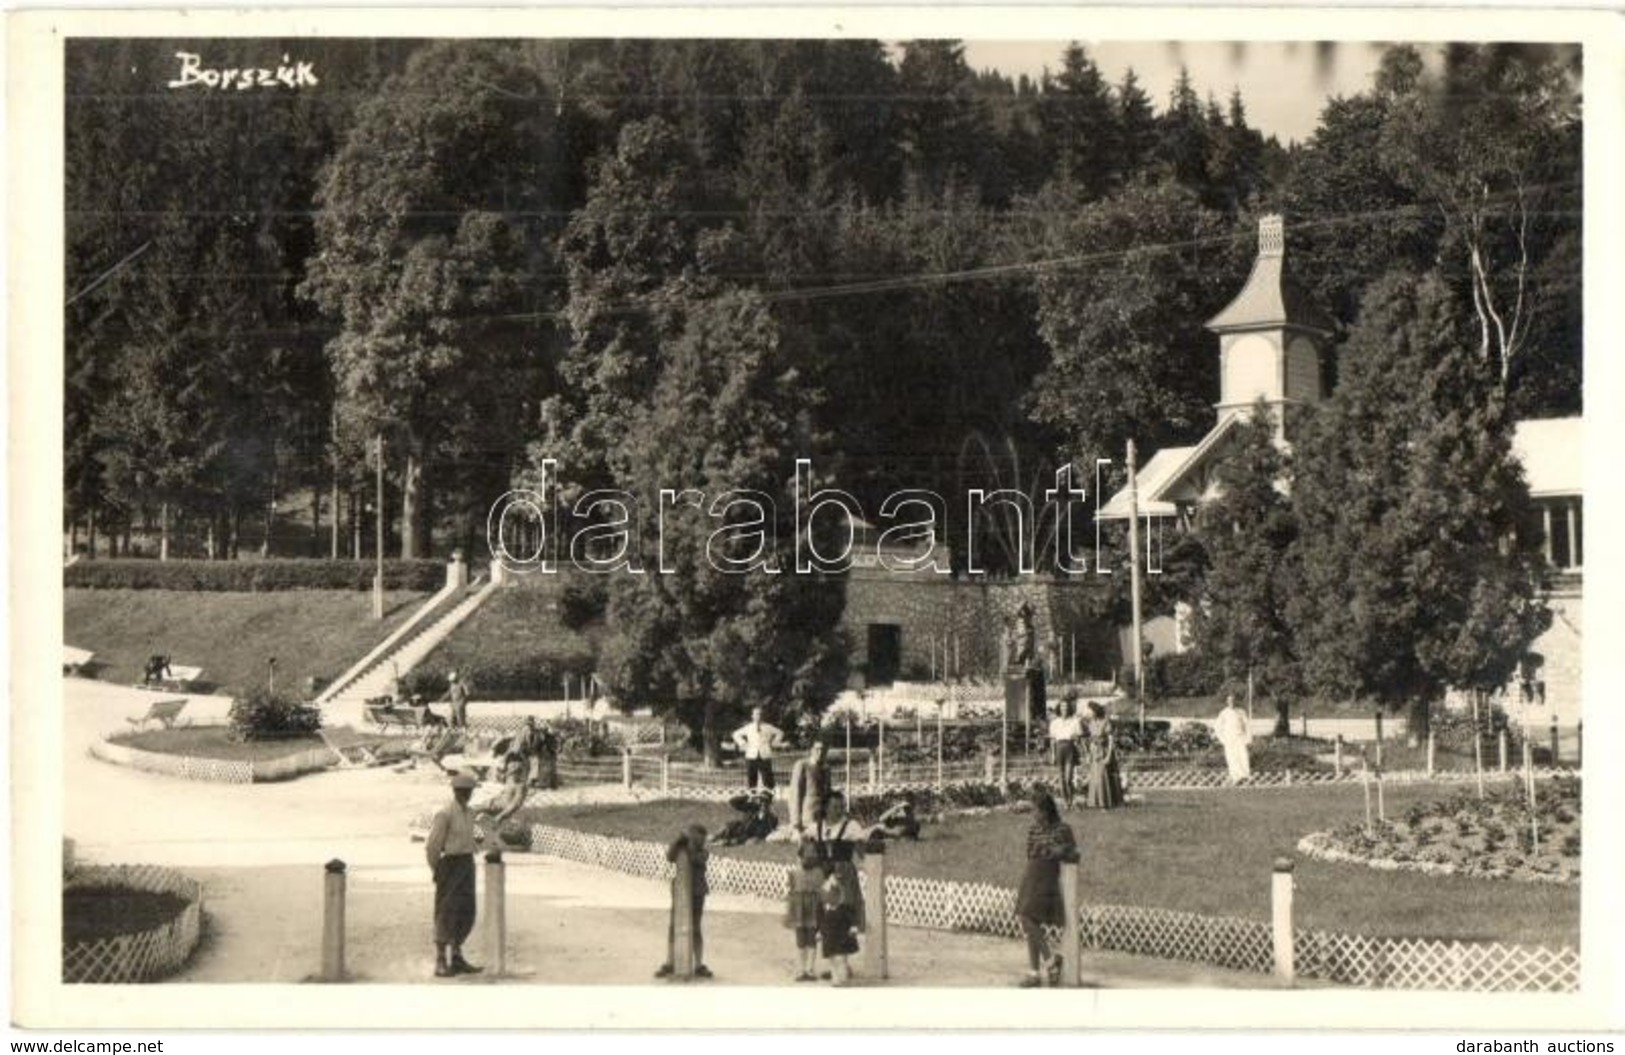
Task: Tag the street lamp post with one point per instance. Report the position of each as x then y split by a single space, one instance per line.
378 576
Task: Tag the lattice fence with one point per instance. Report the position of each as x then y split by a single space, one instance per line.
1406 963
293 765
1222 941
144 956
217 770
213 770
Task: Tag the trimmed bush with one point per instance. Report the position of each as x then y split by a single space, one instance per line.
264 715
583 603
1183 674
500 677
252 576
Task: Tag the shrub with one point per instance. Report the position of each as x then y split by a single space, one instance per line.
264 715
583 603
582 738
500 677
1184 674
252 576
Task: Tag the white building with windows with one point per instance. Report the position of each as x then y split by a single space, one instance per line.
1271 347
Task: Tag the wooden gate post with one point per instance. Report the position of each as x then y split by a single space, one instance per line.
682 915
1431 743
1071 938
1281 915
333 922
874 908
1503 746
1337 754
626 768
496 911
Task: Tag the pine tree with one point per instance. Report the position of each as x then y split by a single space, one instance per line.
1414 521
693 636
1248 537
1137 123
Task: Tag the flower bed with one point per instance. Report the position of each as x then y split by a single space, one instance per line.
128 923
207 753
1490 838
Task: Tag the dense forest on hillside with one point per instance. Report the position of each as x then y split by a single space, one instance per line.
920 274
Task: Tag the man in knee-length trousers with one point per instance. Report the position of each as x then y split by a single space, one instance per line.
450 851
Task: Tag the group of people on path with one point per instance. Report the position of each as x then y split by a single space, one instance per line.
1076 740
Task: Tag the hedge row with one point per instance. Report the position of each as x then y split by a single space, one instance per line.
252 576
502 677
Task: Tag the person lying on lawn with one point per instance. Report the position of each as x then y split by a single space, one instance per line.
757 822
900 822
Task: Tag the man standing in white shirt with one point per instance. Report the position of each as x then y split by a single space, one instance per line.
757 740
1235 735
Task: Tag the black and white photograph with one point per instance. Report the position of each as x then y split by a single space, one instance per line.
733 516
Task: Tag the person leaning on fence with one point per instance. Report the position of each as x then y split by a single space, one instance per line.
1233 732
803 909
691 838
757 740
1038 902
809 791
450 850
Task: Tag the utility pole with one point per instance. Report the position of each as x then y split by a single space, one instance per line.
1134 581
378 576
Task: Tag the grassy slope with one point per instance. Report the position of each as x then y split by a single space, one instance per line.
1192 851
522 623
231 635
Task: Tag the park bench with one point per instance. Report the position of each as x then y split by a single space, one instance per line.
75 659
166 712
180 679
384 716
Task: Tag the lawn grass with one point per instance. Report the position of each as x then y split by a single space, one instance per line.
515 630
214 741
1206 852
231 635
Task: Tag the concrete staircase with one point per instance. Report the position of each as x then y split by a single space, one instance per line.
374 675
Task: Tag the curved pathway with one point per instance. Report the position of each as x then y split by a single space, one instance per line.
259 850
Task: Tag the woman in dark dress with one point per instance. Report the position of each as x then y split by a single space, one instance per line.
1039 902
842 839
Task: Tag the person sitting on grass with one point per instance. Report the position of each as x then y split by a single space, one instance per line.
515 768
692 839
757 822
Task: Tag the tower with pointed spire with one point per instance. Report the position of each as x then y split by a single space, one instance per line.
1270 335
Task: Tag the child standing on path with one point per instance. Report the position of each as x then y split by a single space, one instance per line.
839 927
804 909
